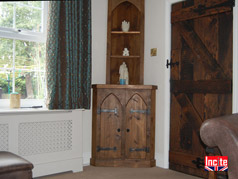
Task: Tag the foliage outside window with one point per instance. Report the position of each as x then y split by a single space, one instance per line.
22 49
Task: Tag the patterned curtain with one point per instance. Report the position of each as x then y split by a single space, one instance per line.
68 56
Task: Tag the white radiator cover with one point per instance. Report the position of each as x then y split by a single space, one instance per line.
51 140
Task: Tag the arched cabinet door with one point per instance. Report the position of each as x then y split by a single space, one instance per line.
136 115
110 116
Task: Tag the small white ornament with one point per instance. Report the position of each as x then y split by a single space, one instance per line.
125 52
125 26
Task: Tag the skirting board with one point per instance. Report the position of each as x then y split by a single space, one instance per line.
159 160
74 165
86 158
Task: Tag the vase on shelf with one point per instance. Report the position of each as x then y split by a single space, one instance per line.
125 26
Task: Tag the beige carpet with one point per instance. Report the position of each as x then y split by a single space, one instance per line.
91 172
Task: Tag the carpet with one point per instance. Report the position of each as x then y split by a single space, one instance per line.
91 172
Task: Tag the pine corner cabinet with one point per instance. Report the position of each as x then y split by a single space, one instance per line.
123 130
123 127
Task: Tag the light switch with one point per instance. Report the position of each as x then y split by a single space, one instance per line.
153 52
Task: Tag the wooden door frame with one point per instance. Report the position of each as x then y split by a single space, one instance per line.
168 5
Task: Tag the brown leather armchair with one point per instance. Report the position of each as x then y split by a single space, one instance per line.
14 167
222 132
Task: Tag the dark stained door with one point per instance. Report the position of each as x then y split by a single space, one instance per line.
201 85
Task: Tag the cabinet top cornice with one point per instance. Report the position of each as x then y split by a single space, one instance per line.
124 86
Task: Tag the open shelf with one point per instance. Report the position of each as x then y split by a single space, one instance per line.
130 11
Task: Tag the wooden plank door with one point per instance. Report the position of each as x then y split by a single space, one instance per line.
110 117
136 119
201 82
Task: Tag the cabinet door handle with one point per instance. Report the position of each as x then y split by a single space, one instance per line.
127 130
118 130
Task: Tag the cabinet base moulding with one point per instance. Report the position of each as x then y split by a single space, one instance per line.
134 163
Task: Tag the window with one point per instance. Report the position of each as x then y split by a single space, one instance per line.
22 49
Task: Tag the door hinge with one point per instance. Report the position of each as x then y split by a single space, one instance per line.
199 162
106 148
147 111
146 149
115 111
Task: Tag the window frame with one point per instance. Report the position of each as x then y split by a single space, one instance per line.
26 35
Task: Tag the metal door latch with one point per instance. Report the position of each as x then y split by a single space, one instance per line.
171 63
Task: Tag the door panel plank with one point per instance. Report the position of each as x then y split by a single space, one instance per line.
176 122
186 65
197 11
200 50
188 110
201 86
184 159
207 30
217 105
176 56
225 40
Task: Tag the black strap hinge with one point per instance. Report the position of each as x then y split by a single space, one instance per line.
106 148
146 149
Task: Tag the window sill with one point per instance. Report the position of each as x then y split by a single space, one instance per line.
20 111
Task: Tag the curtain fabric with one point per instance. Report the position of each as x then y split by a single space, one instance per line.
68 54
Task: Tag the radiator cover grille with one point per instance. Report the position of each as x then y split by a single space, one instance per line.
4 132
44 137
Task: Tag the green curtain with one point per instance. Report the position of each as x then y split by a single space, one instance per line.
68 54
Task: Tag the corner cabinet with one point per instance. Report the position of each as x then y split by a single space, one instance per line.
132 11
123 132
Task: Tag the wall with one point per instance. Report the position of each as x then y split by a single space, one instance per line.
157 35
155 67
99 42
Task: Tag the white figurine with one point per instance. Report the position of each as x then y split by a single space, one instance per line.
125 52
123 71
125 26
